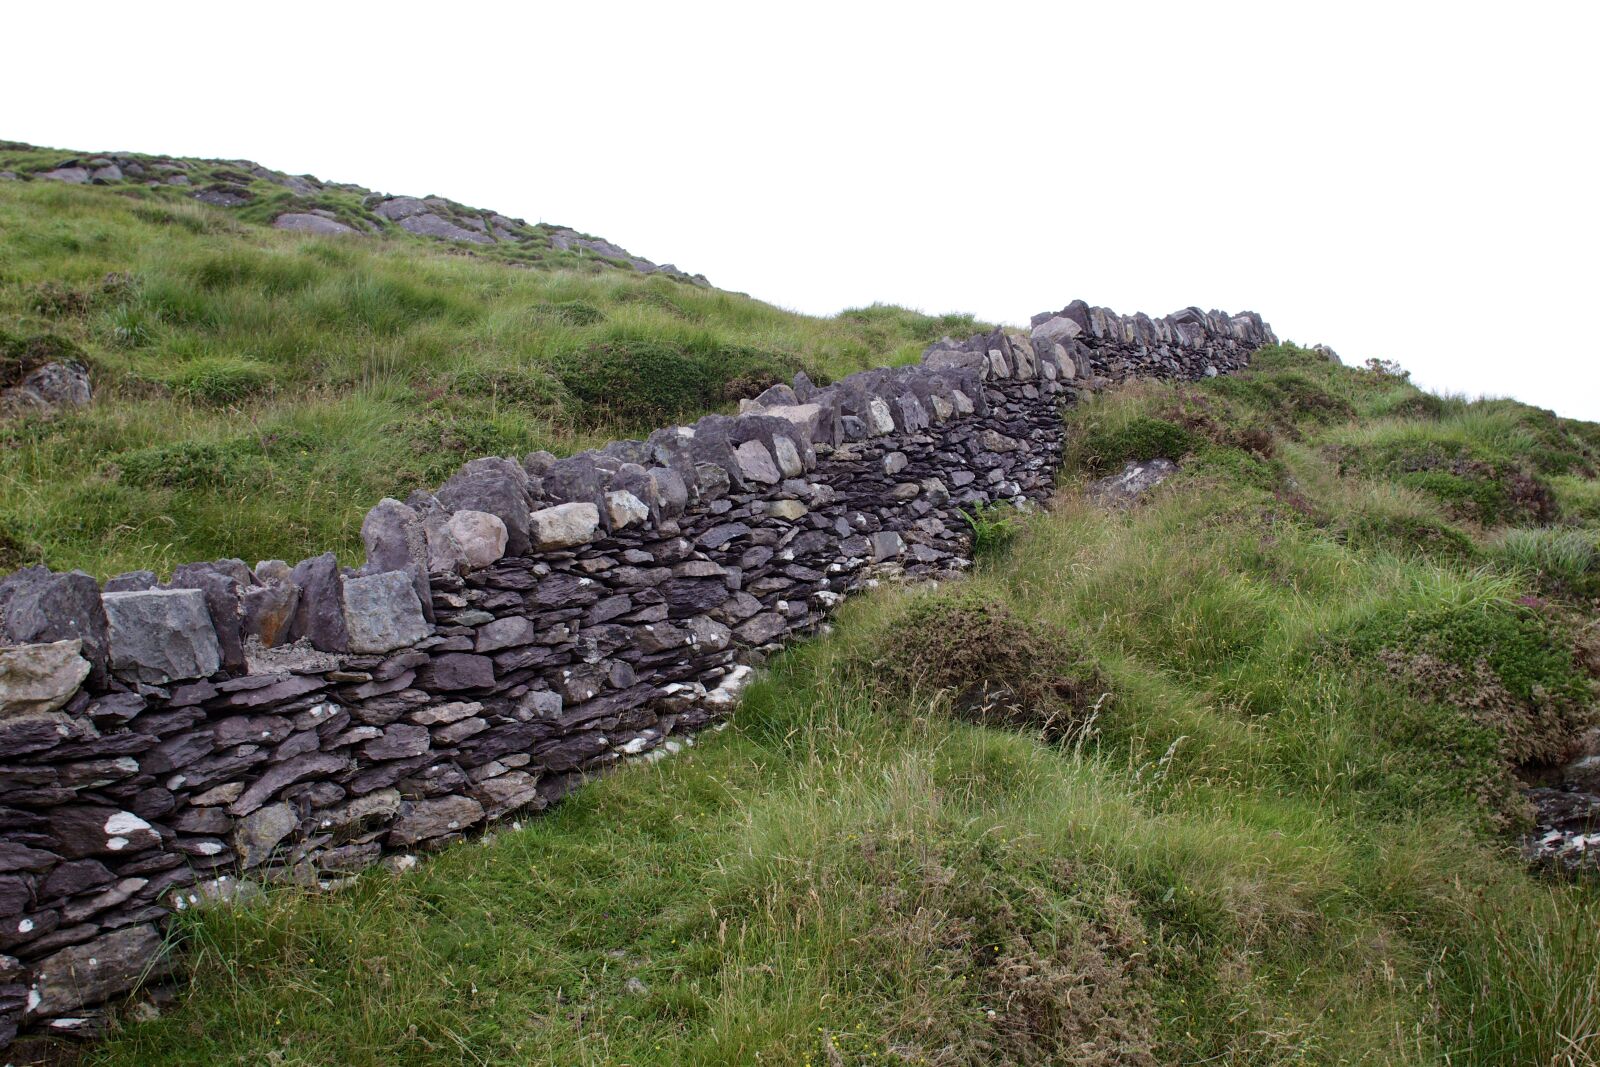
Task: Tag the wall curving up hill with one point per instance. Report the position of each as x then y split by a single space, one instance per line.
531 622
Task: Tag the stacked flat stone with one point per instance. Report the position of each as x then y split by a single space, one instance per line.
532 622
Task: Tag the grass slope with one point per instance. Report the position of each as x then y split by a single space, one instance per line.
1272 824
259 195
257 391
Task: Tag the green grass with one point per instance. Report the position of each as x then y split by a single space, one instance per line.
1561 560
257 391
1269 837
1250 795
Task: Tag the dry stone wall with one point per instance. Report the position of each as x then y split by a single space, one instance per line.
531 622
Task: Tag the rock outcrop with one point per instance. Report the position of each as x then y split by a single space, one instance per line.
47 389
325 208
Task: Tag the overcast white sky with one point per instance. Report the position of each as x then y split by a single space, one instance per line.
1408 181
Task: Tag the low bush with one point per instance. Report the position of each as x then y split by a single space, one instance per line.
220 380
643 382
1207 415
1510 668
1286 398
1558 560
1407 533
528 385
571 313
186 465
56 300
1486 494
1103 447
999 668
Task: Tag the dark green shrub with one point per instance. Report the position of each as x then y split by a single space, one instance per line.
1510 668
571 313
1413 404
1474 485
1002 670
647 382
1416 534
1286 398
1105 448
1487 494
640 381
220 380
530 385
187 465
1234 466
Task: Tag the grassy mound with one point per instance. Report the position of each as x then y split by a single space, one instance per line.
997 669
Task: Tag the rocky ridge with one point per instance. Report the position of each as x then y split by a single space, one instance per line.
306 204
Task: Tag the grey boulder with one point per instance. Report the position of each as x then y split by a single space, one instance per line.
426 819
756 463
261 832
382 612
482 537
161 635
563 526
498 486
302 222
319 616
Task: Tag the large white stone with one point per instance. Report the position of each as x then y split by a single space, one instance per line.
625 509
808 417
788 457
40 678
482 536
756 464
563 526
879 419
1057 329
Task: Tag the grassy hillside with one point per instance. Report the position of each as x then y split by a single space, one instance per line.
257 391
1250 801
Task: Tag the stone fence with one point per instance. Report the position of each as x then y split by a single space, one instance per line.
530 623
